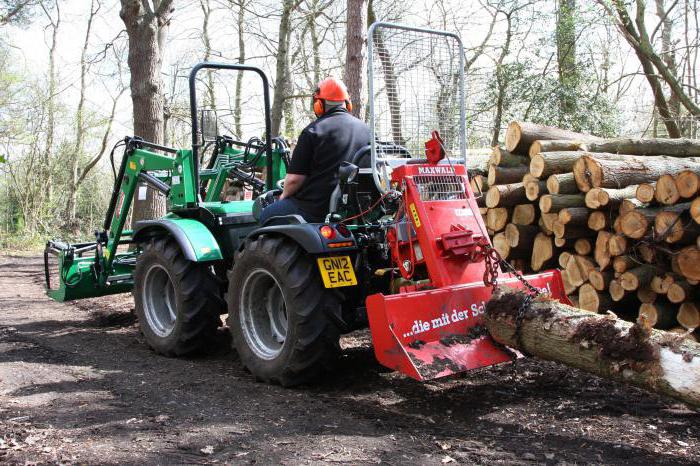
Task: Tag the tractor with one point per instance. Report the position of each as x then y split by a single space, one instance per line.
403 249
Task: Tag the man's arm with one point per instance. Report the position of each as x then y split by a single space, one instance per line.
300 166
292 183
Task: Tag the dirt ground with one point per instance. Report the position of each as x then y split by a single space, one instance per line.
79 385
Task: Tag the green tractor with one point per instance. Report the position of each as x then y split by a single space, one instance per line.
185 267
403 248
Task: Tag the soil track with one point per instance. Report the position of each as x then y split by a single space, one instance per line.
78 384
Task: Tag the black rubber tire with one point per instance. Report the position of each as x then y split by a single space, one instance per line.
312 343
198 299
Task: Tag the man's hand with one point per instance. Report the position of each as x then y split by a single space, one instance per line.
292 183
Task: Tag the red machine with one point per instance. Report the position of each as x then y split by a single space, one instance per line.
434 327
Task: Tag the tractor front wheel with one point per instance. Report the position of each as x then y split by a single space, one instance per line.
178 301
279 313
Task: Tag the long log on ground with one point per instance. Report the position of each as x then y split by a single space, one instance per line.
520 135
657 146
503 158
687 184
524 214
554 145
562 183
599 344
505 175
506 195
597 172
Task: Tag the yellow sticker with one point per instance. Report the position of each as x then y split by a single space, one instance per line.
414 212
132 165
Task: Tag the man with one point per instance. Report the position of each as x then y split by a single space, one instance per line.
313 172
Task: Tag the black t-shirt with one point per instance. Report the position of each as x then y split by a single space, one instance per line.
322 146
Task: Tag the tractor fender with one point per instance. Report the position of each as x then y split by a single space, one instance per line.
305 235
196 241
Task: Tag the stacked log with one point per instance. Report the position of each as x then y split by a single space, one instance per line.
619 217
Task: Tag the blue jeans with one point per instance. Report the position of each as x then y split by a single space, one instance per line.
288 206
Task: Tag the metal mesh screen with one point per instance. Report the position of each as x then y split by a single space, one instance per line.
416 84
440 187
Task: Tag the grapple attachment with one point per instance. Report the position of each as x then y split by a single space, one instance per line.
433 326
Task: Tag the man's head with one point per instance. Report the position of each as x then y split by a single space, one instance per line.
331 93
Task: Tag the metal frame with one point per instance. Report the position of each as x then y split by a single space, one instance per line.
195 122
370 72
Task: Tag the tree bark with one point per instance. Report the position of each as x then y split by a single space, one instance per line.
556 145
505 175
503 158
505 195
146 28
551 203
594 172
562 183
520 135
356 36
601 345
283 81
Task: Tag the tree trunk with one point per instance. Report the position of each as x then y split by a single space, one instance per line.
687 184
608 197
282 76
666 191
551 203
356 36
503 158
146 29
238 111
645 192
566 57
562 183
524 214
599 344
520 135
593 172
598 220
556 145
657 146
533 189
505 195
505 175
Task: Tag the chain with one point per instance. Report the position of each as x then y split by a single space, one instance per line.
493 261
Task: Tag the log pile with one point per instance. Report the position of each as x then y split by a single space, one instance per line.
620 218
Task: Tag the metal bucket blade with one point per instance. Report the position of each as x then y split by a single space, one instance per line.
434 333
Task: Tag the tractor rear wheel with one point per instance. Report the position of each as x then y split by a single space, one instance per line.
178 301
279 314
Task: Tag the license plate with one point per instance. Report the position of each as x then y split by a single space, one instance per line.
336 271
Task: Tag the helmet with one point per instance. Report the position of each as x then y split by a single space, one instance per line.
330 89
